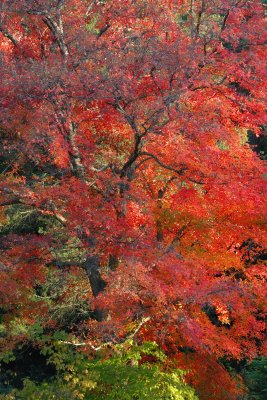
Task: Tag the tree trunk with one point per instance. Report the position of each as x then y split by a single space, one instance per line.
97 283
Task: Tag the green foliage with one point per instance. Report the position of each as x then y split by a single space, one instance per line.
66 307
44 391
24 220
91 26
256 378
222 145
7 356
128 372
125 377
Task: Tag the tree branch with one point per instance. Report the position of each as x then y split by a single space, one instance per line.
55 27
165 166
17 198
9 36
97 348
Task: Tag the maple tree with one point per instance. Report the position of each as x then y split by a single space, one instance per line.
124 152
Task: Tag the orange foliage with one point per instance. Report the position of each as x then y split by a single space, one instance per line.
133 117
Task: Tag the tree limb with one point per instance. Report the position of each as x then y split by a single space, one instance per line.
55 27
97 348
165 166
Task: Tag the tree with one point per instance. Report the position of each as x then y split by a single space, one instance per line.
255 375
124 376
126 129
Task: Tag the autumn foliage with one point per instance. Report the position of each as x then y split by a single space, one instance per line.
124 152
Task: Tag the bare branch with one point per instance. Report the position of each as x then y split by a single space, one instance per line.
18 198
9 36
170 168
55 27
75 153
225 20
106 344
4 31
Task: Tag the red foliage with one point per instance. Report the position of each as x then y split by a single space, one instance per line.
135 116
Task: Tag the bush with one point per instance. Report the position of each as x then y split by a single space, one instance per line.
129 372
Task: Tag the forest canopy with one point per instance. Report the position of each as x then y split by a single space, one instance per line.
133 199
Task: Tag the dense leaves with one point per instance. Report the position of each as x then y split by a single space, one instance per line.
125 374
255 376
128 189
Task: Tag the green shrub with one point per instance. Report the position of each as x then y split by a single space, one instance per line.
256 379
129 372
